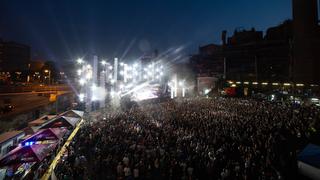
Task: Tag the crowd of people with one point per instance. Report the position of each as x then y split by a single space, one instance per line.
220 138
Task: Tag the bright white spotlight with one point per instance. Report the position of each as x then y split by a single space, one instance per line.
79 61
98 94
161 73
112 93
121 64
94 97
103 62
129 85
110 76
121 72
157 77
81 97
112 81
82 81
110 67
88 66
93 87
145 77
88 75
121 86
144 94
79 71
181 83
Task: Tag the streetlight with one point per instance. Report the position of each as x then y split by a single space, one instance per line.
49 74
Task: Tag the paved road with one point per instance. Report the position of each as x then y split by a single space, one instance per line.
24 103
29 88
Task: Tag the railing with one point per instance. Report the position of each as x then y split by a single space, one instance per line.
56 160
30 88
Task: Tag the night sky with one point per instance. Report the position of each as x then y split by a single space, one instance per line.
63 30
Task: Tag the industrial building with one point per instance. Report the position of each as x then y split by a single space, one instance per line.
289 52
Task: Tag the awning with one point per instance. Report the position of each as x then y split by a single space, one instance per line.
46 134
61 121
73 113
23 154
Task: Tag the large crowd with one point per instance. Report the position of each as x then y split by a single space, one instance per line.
192 139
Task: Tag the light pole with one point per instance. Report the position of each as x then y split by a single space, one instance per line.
49 75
